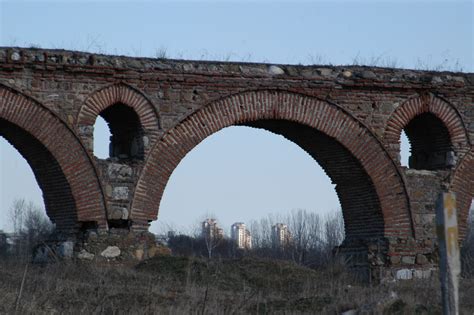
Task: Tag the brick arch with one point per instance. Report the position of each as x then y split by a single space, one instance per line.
425 104
61 165
118 94
462 184
329 121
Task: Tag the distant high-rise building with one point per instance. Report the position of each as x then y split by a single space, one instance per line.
281 235
241 235
210 229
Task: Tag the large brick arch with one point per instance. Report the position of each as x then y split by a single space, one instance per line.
61 165
427 103
119 94
463 185
266 109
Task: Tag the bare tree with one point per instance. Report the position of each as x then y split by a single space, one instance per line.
212 240
313 238
261 232
210 233
334 229
299 225
16 214
37 226
30 225
312 241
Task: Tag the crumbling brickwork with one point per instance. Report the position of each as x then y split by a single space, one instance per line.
349 119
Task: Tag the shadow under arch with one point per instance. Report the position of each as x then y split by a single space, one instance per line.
368 182
62 167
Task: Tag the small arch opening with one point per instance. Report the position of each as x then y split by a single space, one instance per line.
430 143
125 130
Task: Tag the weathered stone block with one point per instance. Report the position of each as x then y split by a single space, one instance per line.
118 213
116 171
395 260
347 74
120 193
368 75
111 252
408 260
146 141
108 190
85 255
422 274
275 70
325 72
15 56
421 259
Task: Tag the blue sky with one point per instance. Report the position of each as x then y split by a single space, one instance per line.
268 173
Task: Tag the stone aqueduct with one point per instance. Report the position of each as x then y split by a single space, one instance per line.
349 119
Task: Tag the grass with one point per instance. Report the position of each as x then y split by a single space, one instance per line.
168 284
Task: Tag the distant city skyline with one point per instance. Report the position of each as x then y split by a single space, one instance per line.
268 173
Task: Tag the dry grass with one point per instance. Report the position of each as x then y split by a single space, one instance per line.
180 285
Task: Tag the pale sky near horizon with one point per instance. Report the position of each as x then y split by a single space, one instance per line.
239 173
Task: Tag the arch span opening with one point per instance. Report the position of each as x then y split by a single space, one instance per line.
369 185
241 174
430 142
354 188
58 198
